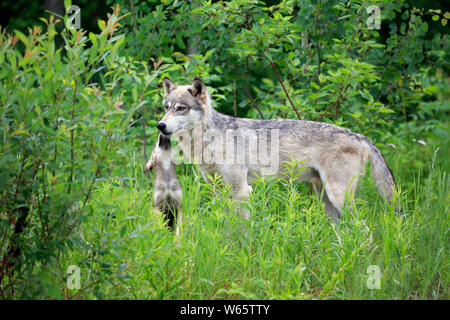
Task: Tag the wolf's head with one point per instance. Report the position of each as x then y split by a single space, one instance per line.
161 154
185 106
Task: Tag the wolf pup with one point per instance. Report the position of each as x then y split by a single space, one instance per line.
333 157
167 193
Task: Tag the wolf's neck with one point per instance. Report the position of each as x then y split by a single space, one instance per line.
219 120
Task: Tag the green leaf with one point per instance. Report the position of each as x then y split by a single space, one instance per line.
93 38
322 78
22 38
268 55
101 24
134 93
67 4
20 131
314 85
344 17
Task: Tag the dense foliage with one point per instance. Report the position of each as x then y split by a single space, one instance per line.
78 111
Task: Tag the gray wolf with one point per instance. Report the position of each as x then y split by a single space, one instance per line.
333 157
167 193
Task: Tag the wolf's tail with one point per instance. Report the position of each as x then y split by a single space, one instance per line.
384 179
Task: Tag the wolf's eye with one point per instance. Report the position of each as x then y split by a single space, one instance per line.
181 108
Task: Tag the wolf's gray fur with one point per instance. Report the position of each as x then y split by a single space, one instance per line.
334 157
167 193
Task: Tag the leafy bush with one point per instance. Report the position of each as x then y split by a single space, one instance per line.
333 64
61 133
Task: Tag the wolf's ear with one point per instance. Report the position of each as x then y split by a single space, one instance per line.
198 89
168 85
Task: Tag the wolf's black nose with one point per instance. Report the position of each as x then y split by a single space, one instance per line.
161 126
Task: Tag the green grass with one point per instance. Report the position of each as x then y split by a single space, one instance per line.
288 250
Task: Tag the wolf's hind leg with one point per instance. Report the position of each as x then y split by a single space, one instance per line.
333 212
339 181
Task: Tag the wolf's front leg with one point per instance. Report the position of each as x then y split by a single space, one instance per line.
237 178
242 194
